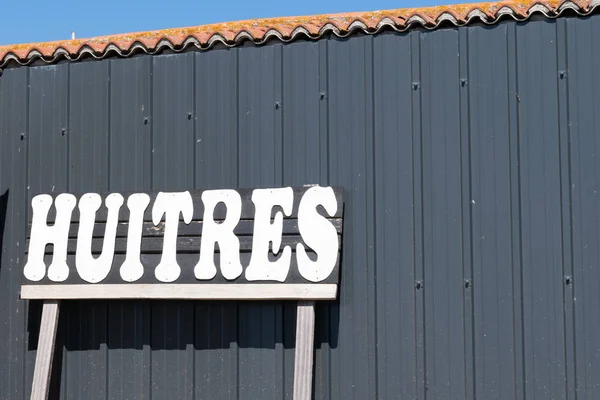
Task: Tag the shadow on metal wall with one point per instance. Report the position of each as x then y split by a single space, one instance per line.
101 326
218 332
3 211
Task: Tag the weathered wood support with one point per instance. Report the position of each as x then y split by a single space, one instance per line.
45 350
305 342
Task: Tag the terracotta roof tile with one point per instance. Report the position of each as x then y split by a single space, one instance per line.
288 29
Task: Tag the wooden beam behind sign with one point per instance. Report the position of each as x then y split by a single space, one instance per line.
190 291
182 240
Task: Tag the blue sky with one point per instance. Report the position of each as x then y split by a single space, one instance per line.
44 20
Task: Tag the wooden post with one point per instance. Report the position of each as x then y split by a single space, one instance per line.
45 350
305 341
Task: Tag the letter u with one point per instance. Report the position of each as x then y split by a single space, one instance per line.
92 269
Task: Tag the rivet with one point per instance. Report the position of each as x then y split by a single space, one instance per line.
562 74
322 95
277 105
63 131
568 280
467 284
189 116
145 121
22 136
463 82
415 85
419 285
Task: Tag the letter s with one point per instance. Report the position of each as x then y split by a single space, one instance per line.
318 233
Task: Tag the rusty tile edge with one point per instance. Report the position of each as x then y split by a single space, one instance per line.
234 34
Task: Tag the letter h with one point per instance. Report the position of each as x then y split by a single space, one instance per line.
42 235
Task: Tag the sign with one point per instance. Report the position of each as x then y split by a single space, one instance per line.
228 244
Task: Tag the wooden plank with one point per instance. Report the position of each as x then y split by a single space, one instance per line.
220 210
187 262
305 340
151 245
194 228
45 350
261 291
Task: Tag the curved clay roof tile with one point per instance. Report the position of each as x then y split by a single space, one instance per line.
287 29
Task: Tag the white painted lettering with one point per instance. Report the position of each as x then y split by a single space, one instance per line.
92 269
260 267
318 233
171 205
222 233
270 259
132 268
42 235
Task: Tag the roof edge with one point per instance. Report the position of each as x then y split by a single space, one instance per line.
287 29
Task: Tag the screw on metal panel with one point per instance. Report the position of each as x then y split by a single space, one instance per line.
463 82
419 285
63 131
145 121
277 105
562 74
189 116
467 284
22 136
568 280
415 85
322 95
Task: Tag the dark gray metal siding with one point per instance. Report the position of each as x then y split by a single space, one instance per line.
468 157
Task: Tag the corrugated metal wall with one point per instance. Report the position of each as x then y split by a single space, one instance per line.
469 162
